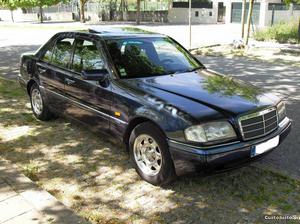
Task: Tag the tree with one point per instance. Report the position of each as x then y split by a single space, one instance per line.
243 18
170 4
249 21
11 5
114 8
81 10
40 4
122 9
138 12
287 2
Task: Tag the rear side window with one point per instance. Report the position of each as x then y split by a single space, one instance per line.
62 52
87 57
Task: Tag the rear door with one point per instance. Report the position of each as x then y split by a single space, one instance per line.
89 101
53 67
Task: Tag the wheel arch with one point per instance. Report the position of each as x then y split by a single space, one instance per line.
135 122
30 84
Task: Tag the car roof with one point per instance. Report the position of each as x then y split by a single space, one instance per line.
119 32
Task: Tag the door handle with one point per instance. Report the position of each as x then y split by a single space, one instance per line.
69 81
42 70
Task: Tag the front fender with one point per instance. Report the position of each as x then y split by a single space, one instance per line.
169 119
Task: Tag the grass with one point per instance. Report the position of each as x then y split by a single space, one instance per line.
96 178
31 170
282 33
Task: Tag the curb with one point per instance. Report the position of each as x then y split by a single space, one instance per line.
42 201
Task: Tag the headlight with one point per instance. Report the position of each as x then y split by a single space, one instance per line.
211 131
281 111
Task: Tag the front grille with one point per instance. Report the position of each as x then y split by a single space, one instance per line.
258 124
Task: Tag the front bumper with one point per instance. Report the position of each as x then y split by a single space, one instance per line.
226 155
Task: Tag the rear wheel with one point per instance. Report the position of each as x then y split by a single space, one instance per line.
38 105
150 154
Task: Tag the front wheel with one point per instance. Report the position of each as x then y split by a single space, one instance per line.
149 151
38 105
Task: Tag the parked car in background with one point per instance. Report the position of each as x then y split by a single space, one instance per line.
146 90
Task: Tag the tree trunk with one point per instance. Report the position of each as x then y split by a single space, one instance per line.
82 18
138 12
299 32
243 18
170 4
12 15
111 11
249 21
41 14
121 10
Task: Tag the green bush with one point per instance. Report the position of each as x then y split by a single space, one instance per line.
282 32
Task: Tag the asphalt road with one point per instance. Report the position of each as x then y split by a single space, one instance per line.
278 78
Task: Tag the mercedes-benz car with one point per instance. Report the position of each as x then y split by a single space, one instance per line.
152 94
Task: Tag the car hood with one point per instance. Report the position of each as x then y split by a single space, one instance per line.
221 93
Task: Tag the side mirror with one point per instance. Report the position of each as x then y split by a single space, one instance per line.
95 75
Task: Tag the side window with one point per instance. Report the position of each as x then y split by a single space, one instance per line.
62 52
87 56
47 56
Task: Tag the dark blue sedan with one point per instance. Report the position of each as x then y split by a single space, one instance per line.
150 93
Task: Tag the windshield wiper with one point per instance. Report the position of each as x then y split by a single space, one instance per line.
194 69
184 71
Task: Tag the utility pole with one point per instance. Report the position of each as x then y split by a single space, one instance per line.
190 24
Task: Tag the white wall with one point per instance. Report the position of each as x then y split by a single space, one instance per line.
265 16
281 16
181 15
5 15
19 16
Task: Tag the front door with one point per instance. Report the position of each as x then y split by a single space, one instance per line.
89 101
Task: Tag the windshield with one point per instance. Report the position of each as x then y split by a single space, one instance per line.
143 57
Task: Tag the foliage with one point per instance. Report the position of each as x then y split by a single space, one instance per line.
14 4
43 3
291 1
9 4
282 32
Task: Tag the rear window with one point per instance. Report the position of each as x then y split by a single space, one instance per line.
60 54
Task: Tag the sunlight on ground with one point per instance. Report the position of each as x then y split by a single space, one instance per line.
271 210
12 133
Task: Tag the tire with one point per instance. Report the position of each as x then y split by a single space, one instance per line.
147 135
38 104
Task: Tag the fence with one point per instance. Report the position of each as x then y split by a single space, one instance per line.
102 11
279 12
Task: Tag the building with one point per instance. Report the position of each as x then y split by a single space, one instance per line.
265 12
